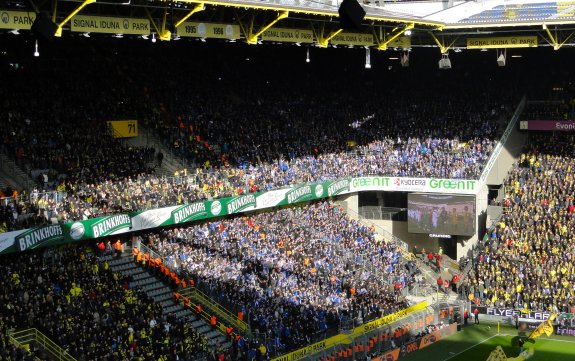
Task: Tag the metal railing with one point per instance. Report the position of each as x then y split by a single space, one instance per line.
386 235
383 213
195 294
33 336
214 307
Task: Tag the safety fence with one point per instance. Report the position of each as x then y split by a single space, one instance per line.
208 306
216 309
373 337
34 337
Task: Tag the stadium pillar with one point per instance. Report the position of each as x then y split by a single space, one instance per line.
252 38
77 10
199 7
444 49
382 41
323 41
554 39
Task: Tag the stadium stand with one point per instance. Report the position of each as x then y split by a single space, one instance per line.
230 148
297 274
528 258
292 294
90 310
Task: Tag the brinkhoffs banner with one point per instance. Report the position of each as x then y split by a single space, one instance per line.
23 240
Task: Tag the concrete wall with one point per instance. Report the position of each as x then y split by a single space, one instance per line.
507 151
349 203
510 152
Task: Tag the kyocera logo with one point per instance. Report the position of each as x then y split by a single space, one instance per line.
397 181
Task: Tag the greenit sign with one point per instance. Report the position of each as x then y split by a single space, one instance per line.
407 184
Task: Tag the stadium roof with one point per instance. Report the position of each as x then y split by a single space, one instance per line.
453 14
443 24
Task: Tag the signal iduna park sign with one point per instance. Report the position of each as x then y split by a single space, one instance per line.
502 42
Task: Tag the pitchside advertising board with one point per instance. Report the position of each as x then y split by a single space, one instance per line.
416 345
168 216
524 316
566 324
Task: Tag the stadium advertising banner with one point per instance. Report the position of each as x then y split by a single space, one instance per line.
208 30
423 342
387 319
288 35
524 316
359 39
429 185
168 216
16 20
565 324
550 125
36 237
97 227
502 42
109 25
341 338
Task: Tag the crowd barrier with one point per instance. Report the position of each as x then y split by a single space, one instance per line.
374 336
37 338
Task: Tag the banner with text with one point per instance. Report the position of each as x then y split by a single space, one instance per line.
551 125
403 184
97 227
124 128
345 338
359 39
502 42
109 25
19 20
288 35
208 30
523 315
388 319
168 216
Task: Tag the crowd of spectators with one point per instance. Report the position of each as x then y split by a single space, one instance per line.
298 273
88 310
527 261
550 110
238 134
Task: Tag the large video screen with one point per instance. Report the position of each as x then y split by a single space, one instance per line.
441 214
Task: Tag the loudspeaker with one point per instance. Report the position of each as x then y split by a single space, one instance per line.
501 60
43 27
350 14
